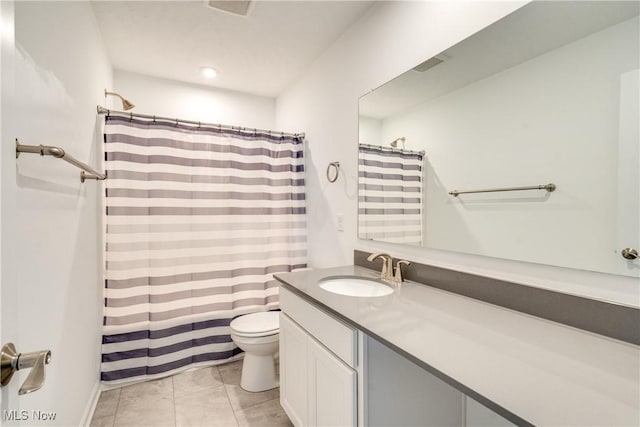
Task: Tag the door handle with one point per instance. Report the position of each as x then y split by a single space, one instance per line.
12 361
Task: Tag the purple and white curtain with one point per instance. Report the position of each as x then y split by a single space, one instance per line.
389 194
197 220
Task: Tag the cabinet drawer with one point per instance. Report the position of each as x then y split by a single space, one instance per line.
337 336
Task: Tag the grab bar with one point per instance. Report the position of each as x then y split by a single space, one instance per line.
548 187
46 150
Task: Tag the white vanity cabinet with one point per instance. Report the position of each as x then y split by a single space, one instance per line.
332 388
330 377
318 354
293 368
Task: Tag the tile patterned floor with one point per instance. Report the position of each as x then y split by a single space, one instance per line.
204 397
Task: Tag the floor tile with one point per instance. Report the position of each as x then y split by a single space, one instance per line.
204 397
241 399
266 414
147 404
148 390
231 374
155 412
196 380
103 421
208 407
107 403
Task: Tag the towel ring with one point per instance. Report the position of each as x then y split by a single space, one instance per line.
336 166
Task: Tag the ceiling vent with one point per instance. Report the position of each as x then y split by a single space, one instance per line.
237 7
431 62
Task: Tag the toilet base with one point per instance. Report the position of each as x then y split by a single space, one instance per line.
258 373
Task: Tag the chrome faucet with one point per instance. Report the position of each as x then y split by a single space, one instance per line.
387 265
387 272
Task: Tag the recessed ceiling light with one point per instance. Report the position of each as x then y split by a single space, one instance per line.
208 72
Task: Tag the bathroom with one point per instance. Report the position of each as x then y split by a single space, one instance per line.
57 60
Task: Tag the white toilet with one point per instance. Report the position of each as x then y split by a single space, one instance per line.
258 335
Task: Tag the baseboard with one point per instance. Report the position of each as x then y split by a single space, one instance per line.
91 405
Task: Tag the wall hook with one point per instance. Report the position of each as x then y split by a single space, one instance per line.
336 167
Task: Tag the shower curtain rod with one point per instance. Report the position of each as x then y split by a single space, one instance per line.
103 110
397 150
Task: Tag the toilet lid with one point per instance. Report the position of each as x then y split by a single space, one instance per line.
265 323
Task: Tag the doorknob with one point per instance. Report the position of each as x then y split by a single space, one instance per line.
629 253
12 361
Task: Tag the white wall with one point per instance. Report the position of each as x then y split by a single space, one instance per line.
370 130
168 98
538 122
390 39
51 272
6 51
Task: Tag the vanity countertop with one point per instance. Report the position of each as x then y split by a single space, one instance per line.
527 369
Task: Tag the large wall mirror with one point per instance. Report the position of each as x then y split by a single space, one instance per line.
547 95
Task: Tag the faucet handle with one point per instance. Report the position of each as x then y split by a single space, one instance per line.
398 276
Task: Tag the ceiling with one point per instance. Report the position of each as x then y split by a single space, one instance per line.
536 28
259 54
530 31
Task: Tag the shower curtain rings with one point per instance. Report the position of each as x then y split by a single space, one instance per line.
336 166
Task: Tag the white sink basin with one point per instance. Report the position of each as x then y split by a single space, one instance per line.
355 286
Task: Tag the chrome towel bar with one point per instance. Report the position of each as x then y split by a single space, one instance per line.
46 150
548 187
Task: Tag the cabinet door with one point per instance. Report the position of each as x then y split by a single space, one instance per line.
332 388
293 369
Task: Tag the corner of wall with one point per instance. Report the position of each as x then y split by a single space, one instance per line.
94 396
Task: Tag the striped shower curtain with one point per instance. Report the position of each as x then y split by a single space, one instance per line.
390 195
197 220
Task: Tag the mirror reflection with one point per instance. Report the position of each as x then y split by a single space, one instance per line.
547 95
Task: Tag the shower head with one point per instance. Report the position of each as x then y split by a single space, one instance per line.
126 105
397 142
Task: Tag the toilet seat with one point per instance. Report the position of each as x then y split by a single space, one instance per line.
256 324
